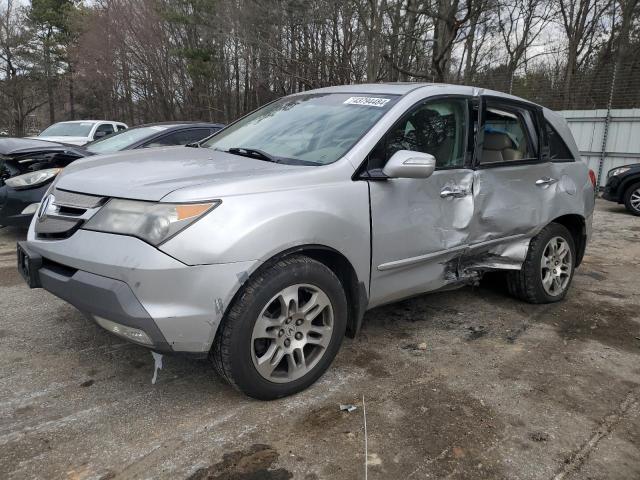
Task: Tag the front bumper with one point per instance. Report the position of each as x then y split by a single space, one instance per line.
13 202
611 190
126 281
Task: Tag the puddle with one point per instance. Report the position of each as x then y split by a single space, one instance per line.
254 463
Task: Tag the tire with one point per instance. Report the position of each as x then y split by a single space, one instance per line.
254 329
527 284
632 199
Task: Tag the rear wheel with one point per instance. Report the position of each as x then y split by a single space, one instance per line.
284 329
632 198
547 271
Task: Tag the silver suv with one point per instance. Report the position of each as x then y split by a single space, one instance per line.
263 247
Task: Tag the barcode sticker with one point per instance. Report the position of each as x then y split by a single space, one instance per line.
367 101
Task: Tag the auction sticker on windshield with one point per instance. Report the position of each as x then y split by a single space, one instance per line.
368 101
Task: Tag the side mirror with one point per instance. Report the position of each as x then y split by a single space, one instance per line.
98 135
408 164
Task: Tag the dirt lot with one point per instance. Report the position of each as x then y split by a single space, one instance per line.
463 384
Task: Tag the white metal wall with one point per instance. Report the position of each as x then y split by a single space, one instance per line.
623 140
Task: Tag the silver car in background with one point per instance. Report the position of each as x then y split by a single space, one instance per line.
265 246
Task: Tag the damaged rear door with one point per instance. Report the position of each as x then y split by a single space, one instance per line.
513 197
419 227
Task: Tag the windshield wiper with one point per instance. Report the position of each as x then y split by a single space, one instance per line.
253 153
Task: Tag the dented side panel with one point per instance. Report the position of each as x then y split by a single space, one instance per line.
416 233
508 202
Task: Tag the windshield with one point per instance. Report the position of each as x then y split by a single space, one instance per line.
123 140
313 129
71 129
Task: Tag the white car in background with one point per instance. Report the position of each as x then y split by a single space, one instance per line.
79 132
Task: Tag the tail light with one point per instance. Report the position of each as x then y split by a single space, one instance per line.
592 177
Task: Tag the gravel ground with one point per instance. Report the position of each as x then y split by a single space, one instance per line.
462 384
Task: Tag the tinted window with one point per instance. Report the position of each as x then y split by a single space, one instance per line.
318 128
107 128
181 137
506 136
558 150
121 128
436 127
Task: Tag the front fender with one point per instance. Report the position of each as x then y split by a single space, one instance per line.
259 226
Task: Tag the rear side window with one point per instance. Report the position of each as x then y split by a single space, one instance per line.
507 135
558 150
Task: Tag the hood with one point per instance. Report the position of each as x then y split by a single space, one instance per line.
69 140
151 174
23 155
17 146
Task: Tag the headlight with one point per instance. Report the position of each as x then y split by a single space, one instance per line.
32 179
149 221
618 171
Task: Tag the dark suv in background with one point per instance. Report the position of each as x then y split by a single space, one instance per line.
623 186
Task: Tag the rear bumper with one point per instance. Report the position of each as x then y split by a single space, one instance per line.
130 283
13 202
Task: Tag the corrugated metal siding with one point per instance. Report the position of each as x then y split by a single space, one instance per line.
623 140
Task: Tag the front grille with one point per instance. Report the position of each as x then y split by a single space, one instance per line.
77 200
66 213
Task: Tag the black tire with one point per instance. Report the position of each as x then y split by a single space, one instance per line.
633 189
231 353
526 284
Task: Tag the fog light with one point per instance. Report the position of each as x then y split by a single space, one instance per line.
133 334
31 209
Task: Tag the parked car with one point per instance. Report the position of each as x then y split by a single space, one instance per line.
80 132
28 166
623 186
265 246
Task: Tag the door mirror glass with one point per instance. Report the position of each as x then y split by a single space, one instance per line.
409 164
99 134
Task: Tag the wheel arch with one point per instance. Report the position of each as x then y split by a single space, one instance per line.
355 289
577 226
626 184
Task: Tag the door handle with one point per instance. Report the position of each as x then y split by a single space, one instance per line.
452 192
545 181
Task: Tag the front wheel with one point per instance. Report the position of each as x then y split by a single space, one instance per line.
283 330
547 271
632 199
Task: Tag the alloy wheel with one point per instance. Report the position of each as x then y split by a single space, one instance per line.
292 333
556 266
635 200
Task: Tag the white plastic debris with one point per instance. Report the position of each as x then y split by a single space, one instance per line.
157 359
347 408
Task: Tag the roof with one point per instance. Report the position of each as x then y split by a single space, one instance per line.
404 88
88 120
179 123
401 88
